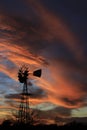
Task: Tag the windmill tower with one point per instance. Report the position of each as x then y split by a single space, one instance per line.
24 114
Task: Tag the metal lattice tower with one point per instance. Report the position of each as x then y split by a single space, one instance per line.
24 113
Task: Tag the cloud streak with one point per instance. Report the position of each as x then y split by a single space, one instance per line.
54 28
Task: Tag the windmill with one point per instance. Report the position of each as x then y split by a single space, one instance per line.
24 108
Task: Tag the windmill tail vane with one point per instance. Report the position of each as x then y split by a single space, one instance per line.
37 73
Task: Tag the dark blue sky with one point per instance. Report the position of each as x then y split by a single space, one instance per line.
74 13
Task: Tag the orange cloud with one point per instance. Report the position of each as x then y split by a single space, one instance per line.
54 28
16 55
58 88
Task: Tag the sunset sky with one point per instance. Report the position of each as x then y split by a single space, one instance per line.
50 35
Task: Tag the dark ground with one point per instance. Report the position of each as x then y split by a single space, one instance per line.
71 126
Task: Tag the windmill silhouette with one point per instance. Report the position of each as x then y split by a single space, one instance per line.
24 113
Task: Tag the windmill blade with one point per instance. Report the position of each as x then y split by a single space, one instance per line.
37 73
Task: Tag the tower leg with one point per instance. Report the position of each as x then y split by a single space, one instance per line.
24 109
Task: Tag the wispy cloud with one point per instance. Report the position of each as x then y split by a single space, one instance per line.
53 28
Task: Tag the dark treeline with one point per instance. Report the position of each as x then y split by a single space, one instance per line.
71 126
9 125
